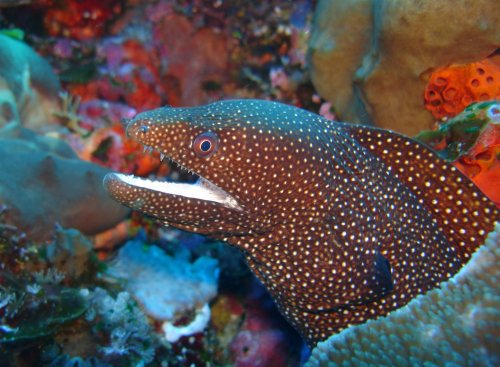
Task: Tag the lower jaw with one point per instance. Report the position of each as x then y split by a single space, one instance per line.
202 189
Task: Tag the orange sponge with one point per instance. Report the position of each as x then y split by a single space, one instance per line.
451 89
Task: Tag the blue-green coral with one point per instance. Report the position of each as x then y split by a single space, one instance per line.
457 324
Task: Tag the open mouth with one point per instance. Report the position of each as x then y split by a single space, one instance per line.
200 189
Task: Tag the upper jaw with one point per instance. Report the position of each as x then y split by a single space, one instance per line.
202 189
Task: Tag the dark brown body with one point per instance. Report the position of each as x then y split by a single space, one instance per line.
341 223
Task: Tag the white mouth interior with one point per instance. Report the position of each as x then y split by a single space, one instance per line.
202 189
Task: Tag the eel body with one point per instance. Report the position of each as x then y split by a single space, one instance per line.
342 223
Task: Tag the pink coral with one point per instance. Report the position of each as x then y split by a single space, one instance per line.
99 113
326 110
259 348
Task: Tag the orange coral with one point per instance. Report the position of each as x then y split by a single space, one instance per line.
451 89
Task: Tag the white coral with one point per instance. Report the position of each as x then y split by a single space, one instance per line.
166 286
129 330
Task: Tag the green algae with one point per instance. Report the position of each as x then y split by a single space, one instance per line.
459 133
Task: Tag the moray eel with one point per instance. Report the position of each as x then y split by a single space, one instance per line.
342 223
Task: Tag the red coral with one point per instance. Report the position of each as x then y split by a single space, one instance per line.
111 148
451 89
133 76
81 20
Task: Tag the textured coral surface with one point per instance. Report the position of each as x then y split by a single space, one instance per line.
372 62
451 89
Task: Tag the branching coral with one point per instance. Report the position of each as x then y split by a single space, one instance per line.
454 325
130 334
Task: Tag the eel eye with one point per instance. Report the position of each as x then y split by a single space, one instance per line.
205 144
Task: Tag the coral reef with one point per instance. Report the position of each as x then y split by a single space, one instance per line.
454 325
132 74
71 253
36 300
81 20
143 67
451 89
59 304
355 69
259 349
23 301
52 314
7 3
53 186
112 63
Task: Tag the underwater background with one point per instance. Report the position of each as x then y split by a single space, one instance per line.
84 281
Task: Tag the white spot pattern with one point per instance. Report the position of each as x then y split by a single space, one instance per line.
321 204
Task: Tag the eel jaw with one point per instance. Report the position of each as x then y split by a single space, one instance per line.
201 189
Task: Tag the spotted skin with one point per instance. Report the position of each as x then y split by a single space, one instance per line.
342 223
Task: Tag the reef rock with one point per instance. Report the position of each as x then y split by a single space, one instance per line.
168 286
454 325
29 88
43 182
372 58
